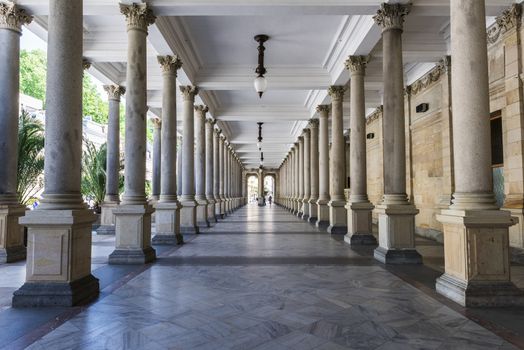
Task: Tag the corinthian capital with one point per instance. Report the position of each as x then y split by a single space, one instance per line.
169 64
138 16
189 92
336 92
357 64
391 16
157 123
313 124
323 108
201 109
211 121
13 17
114 92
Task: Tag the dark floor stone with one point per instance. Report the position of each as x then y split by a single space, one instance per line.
397 256
132 257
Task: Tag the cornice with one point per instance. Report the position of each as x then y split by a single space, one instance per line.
375 115
510 18
431 77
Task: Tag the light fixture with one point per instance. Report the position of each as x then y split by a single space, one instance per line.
261 159
260 81
259 143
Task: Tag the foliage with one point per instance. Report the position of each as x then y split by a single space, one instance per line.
33 69
30 157
94 173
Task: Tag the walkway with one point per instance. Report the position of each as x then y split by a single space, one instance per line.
260 279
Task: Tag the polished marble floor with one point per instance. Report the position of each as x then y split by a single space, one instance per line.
259 279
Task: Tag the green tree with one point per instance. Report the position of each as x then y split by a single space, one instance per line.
30 157
33 69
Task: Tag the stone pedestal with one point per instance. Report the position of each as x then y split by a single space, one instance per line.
305 210
516 232
322 214
337 218
359 224
59 268
202 212
477 261
134 247
396 224
188 217
313 211
11 233
107 219
167 224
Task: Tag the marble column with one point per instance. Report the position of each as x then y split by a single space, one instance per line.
58 268
133 216
323 167
300 192
200 166
307 174
221 158
396 222
210 169
157 127
337 165
167 209
359 208
216 172
294 184
313 152
260 186
179 167
12 17
112 197
188 216
476 247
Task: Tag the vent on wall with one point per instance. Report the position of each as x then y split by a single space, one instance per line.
422 108
370 136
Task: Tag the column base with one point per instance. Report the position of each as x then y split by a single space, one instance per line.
132 256
201 213
133 235
359 224
397 256
313 210
188 222
337 218
105 230
11 233
12 254
477 262
39 294
167 224
211 211
360 239
396 227
322 214
479 294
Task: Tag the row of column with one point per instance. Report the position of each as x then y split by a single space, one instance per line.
58 268
477 269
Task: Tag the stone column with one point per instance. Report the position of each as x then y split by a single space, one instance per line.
294 180
307 174
260 186
226 177
313 198
133 216
300 192
323 167
476 247
216 171
12 18
396 214
200 165
58 268
337 165
188 216
221 173
210 169
157 127
359 208
167 209
112 198
179 167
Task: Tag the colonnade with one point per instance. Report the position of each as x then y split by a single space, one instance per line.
58 268
477 269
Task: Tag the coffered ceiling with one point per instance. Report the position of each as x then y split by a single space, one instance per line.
309 42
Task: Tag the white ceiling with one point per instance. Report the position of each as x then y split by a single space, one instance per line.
310 40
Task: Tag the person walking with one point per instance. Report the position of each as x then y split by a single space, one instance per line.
270 200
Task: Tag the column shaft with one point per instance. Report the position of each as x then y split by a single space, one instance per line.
200 165
210 169
307 174
323 167
157 146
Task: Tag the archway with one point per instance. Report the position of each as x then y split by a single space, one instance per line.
252 188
